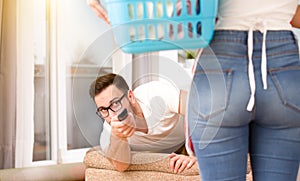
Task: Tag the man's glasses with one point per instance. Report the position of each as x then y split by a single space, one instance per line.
114 106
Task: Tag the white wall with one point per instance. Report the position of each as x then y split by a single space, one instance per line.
297 32
79 28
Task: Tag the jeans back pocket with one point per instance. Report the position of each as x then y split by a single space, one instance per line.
209 93
287 83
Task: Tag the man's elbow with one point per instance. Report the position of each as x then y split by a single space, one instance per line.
121 167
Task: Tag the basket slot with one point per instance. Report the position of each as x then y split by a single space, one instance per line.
159 6
132 33
150 10
198 7
199 28
152 33
180 30
141 33
189 30
160 31
131 12
169 7
178 8
171 32
139 10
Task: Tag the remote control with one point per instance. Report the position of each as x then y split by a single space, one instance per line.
123 115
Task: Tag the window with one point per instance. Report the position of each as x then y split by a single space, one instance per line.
56 43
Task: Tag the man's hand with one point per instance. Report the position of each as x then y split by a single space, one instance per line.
99 10
123 129
180 162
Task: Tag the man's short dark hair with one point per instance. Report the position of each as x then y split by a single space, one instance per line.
105 81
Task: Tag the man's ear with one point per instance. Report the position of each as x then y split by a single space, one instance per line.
131 97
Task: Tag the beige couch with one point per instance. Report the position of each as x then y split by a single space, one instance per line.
145 166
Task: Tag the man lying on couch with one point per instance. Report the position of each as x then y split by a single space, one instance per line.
154 121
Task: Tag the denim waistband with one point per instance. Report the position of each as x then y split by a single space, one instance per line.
242 36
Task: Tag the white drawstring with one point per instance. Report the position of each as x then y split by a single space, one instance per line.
251 71
264 59
251 68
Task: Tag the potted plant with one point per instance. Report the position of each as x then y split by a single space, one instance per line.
190 54
190 58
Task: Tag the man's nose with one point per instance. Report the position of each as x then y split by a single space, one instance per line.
111 113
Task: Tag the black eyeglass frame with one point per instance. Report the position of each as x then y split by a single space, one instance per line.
98 112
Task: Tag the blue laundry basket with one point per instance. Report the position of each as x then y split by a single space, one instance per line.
153 25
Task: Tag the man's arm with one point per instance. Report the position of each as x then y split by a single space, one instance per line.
118 150
119 153
296 19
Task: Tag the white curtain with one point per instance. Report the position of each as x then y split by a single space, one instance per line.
7 82
144 68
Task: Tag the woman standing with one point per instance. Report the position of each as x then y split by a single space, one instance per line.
245 94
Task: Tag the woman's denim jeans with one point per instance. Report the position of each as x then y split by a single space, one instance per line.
223 131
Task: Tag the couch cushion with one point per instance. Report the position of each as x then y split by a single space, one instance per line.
94 174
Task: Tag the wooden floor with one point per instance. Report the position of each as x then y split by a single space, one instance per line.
70 172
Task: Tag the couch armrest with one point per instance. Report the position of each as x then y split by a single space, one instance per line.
141 161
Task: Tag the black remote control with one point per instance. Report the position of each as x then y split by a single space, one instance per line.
123 115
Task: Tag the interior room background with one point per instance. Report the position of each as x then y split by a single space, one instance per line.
50 51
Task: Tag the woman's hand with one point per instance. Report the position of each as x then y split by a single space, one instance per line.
180 162
99 10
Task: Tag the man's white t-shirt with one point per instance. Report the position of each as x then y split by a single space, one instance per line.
159 101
